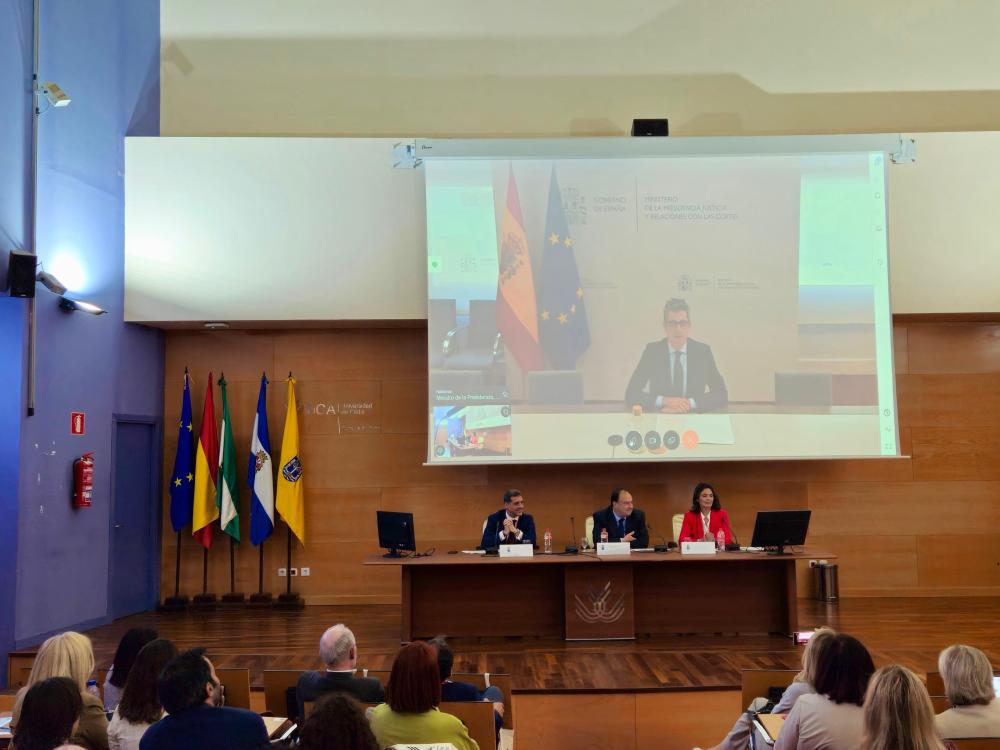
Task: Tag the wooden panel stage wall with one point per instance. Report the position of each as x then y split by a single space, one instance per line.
921 526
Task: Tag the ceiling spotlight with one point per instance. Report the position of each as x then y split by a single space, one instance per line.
51 283
70 305
215 325
56 96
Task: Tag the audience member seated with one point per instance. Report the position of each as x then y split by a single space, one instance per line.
968 683
898 714
337 721
832 717
140 706
128 647
804 682
50 713
339 651
410 714
463 691
191 694
70 655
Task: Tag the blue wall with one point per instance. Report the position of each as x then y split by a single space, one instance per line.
15 154
105 55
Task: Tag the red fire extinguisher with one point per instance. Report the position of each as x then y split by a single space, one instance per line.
83 480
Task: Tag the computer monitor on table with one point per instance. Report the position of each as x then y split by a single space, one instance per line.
780 528
395 532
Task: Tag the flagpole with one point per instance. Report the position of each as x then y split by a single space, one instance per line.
290 599
176 603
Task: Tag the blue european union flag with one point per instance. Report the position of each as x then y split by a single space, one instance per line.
562 314
182 479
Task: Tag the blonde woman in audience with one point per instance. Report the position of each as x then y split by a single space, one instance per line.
739 736
832 717
898 714
70 655
968 683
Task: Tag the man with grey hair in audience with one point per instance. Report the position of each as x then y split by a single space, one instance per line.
339 652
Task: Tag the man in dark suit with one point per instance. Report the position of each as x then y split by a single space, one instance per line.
511 525
339 651
677 374
623 521
463 692
190 693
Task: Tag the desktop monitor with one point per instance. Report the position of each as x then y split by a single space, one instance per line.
395 532
780 529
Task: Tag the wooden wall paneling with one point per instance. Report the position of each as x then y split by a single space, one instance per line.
684 719
353 353
404 407
576 722
949 391
967 560
903 508
900 349
954 348
866 561
946 400
956 453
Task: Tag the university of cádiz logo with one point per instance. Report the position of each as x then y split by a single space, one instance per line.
292 470
599 609
260 458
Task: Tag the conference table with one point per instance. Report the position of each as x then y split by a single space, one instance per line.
595 597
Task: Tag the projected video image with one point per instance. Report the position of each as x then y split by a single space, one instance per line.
471 431
715 307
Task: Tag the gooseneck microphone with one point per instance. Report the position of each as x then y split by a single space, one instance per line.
571 548
735 546
659 547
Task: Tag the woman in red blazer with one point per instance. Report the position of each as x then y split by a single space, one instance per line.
705 504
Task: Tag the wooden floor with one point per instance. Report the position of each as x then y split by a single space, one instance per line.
909 631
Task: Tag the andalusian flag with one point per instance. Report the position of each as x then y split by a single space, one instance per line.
206 464
517 313
182 480
227 495
260 474
289 501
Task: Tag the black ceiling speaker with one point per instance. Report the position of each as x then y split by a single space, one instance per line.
21 273
650 128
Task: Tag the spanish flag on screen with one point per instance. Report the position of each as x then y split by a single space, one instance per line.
206 465
289 500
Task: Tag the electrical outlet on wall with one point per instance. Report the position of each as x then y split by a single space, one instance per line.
304 571
293 572
282 572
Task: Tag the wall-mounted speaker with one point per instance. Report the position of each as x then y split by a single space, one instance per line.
21 273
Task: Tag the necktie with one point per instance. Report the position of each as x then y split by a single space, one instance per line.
677 375
621 528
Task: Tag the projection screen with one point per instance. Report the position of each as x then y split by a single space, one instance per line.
727 300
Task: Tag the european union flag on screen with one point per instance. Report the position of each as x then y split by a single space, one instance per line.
182 479
562 314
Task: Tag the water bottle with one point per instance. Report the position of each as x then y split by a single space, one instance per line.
92 688
720 540
604 536
547 542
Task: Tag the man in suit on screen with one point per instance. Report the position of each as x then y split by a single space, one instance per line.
510 525
623 521
677 374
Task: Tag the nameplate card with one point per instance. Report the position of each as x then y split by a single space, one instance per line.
614 548
516 550
697 548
